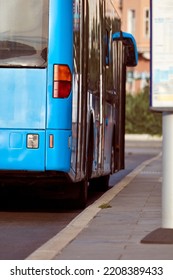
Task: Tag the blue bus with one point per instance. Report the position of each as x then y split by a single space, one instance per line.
62 91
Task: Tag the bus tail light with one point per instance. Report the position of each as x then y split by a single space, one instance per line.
62 81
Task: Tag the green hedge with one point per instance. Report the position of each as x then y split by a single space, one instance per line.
139 117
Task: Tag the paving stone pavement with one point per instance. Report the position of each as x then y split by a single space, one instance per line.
115 232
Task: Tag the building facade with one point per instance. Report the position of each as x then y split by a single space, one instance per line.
135 15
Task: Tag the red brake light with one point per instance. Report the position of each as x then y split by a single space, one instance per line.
62 81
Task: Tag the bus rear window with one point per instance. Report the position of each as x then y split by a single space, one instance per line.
23 33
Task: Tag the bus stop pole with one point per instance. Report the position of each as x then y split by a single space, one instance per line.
164 234
167 168
161 100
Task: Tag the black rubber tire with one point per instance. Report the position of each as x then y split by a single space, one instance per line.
83 194
100 183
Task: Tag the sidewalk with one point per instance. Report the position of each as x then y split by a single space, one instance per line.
113 227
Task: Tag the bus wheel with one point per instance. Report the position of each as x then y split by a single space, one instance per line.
83 194
100 183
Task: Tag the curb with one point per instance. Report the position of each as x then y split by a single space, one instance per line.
142 137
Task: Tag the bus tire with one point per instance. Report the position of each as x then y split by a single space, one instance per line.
83 194
101 183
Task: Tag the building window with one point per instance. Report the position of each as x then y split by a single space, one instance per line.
131 21
147 23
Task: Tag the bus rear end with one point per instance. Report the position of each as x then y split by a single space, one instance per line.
35 85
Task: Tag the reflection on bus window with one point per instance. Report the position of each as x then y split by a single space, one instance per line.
23 33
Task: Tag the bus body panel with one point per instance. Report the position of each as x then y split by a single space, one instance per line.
14 155
22 98
22 112
58 156
59 111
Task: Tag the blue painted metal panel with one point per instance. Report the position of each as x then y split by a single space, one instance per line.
58 157
59 111
15 156
61 31
23 98
27 104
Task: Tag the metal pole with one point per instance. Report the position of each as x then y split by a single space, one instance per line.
167 161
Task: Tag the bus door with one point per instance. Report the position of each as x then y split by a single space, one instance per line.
124 54
112 24
79 90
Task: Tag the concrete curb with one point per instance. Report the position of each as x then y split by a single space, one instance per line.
142 137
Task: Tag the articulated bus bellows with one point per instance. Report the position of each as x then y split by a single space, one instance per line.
62 81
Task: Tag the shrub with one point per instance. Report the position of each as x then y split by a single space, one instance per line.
139 117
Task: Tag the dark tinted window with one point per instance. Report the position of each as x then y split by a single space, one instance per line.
23 33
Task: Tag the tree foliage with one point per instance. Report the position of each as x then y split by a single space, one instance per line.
139 117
